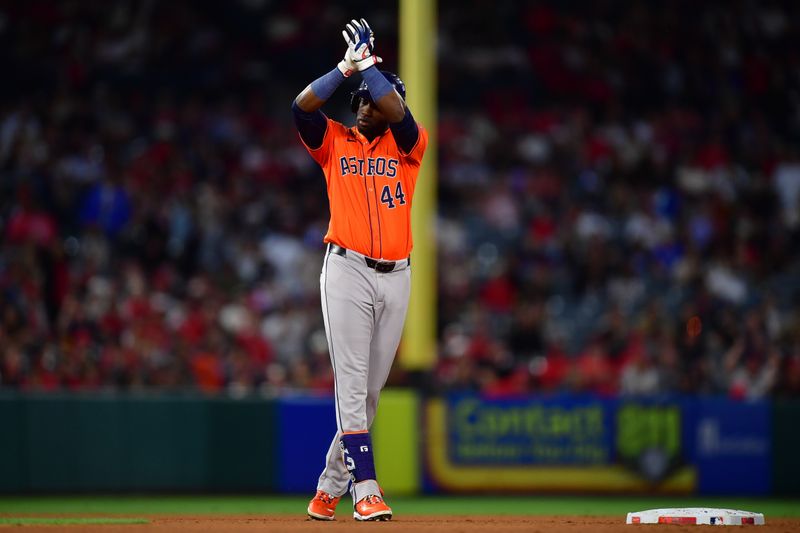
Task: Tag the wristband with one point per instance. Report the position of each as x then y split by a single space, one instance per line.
377 85
324 86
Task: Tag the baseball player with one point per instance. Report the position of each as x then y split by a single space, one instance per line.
370 170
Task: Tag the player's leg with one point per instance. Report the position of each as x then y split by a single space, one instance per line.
347 307
356 442
335 478
390 316
332 484
390 313
346 297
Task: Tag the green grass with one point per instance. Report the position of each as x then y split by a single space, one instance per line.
485 505
31 521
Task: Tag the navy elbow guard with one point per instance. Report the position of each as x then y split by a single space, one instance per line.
406 132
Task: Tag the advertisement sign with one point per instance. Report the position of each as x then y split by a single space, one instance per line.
525 432
654 437
733 447
560 443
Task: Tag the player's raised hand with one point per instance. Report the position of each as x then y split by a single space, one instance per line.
346 65
360 44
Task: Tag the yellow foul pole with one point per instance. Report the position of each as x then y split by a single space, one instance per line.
418 71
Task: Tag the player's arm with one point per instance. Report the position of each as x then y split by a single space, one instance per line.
360 41
386 99
310 121
390 103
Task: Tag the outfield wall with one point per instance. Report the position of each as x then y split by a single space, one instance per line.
459 443
53 443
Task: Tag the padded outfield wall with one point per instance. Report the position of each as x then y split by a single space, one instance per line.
458 443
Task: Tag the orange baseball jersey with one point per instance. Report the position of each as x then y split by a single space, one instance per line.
370 186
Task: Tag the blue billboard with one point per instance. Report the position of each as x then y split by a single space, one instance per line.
733 447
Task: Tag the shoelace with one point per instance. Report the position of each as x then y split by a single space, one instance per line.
326 498
373 499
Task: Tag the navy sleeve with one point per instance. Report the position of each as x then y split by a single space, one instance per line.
406 132
311 126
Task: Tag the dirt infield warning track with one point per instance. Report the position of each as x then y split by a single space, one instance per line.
418 524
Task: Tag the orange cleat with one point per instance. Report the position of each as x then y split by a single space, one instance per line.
372 508
323 506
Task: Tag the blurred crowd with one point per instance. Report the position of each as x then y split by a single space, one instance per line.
619 196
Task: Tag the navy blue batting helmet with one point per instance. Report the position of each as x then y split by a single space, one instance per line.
363 90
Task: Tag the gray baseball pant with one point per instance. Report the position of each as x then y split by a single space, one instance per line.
364 311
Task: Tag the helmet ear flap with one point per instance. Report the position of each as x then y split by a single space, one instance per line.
357 95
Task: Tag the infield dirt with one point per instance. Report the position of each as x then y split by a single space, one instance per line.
415 524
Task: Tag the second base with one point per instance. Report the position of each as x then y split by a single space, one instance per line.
696 515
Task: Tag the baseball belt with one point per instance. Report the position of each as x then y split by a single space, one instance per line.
378 266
